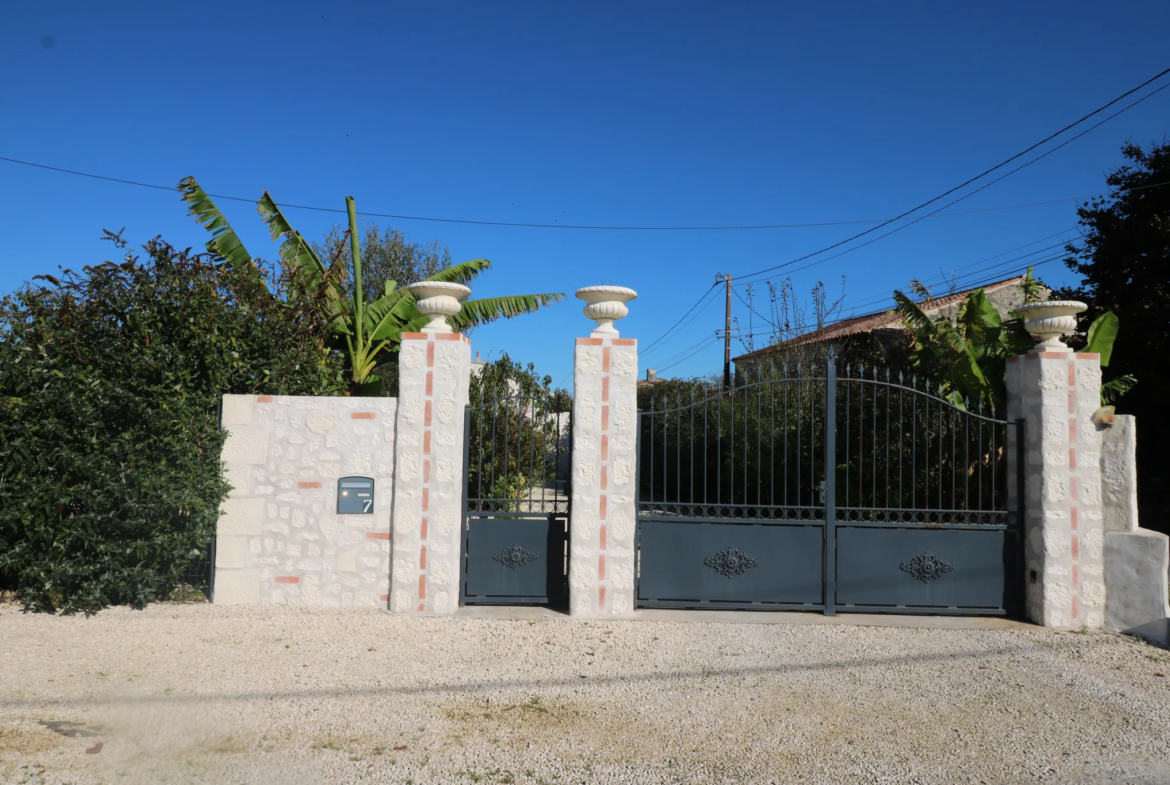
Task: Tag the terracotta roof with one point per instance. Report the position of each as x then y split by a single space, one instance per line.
887 320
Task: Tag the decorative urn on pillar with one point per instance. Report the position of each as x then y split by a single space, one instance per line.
605 305
438 300
1050 320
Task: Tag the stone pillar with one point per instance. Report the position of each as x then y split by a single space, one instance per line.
1119 474
1056 392
434 377
605 414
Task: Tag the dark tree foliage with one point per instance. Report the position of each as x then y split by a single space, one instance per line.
110 379
1124 259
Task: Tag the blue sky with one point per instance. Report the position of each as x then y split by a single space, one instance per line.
656 113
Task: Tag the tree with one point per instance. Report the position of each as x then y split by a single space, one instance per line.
387 255
366 325
110 470
1124 260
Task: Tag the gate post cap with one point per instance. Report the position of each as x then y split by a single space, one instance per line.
438 300
605 305
1048 321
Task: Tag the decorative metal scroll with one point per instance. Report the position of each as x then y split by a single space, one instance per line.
515 557
926 567
730 562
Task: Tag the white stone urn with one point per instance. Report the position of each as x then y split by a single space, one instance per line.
1050 320
438 300
605 305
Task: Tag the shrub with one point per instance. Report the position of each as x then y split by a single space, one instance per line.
110 381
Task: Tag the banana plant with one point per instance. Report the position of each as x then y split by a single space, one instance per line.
363 327
970 356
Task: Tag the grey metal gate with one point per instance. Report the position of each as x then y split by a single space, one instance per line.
516 501
817 491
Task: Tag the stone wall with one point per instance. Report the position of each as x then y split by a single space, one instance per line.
280 537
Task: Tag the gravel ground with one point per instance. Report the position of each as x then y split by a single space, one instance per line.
179 694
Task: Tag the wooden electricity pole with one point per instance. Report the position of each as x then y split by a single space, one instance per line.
727 336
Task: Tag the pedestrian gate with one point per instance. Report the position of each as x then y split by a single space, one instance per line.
807 490
516 500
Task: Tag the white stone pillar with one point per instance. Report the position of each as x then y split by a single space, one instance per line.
605 413
1056 392
434 378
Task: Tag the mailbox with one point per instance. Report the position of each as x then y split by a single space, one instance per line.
355 496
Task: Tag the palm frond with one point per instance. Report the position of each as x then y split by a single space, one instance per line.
224 244
477 312
462 273
1115 388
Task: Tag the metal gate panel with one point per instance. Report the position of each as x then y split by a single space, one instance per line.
516 500
519 560
862 491
916 568
695 564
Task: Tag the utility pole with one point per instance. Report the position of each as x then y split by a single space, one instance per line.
726 335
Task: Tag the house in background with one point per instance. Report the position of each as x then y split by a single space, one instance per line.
886 326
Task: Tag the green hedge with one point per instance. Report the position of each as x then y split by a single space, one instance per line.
110 379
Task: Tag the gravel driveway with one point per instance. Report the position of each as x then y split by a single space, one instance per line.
288 695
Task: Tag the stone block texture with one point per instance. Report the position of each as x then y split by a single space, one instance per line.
1119 474
1056 394
434 377
1136 565
280 539
604 463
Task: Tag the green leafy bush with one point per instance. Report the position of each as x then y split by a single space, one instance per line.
518 439
110 380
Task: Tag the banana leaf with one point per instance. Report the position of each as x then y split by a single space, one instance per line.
463 273
295 251
980 324
477 312
224 244
1102 334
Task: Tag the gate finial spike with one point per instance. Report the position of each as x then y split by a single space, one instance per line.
899 376
991 405
887 373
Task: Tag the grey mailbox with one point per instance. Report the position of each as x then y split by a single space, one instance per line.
355 496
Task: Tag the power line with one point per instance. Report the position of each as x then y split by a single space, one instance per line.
707 344
936 213
753 310
968 182
973 285
881 221
943 278
705 340
706 294
987 259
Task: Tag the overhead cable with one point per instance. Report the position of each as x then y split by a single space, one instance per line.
971 180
